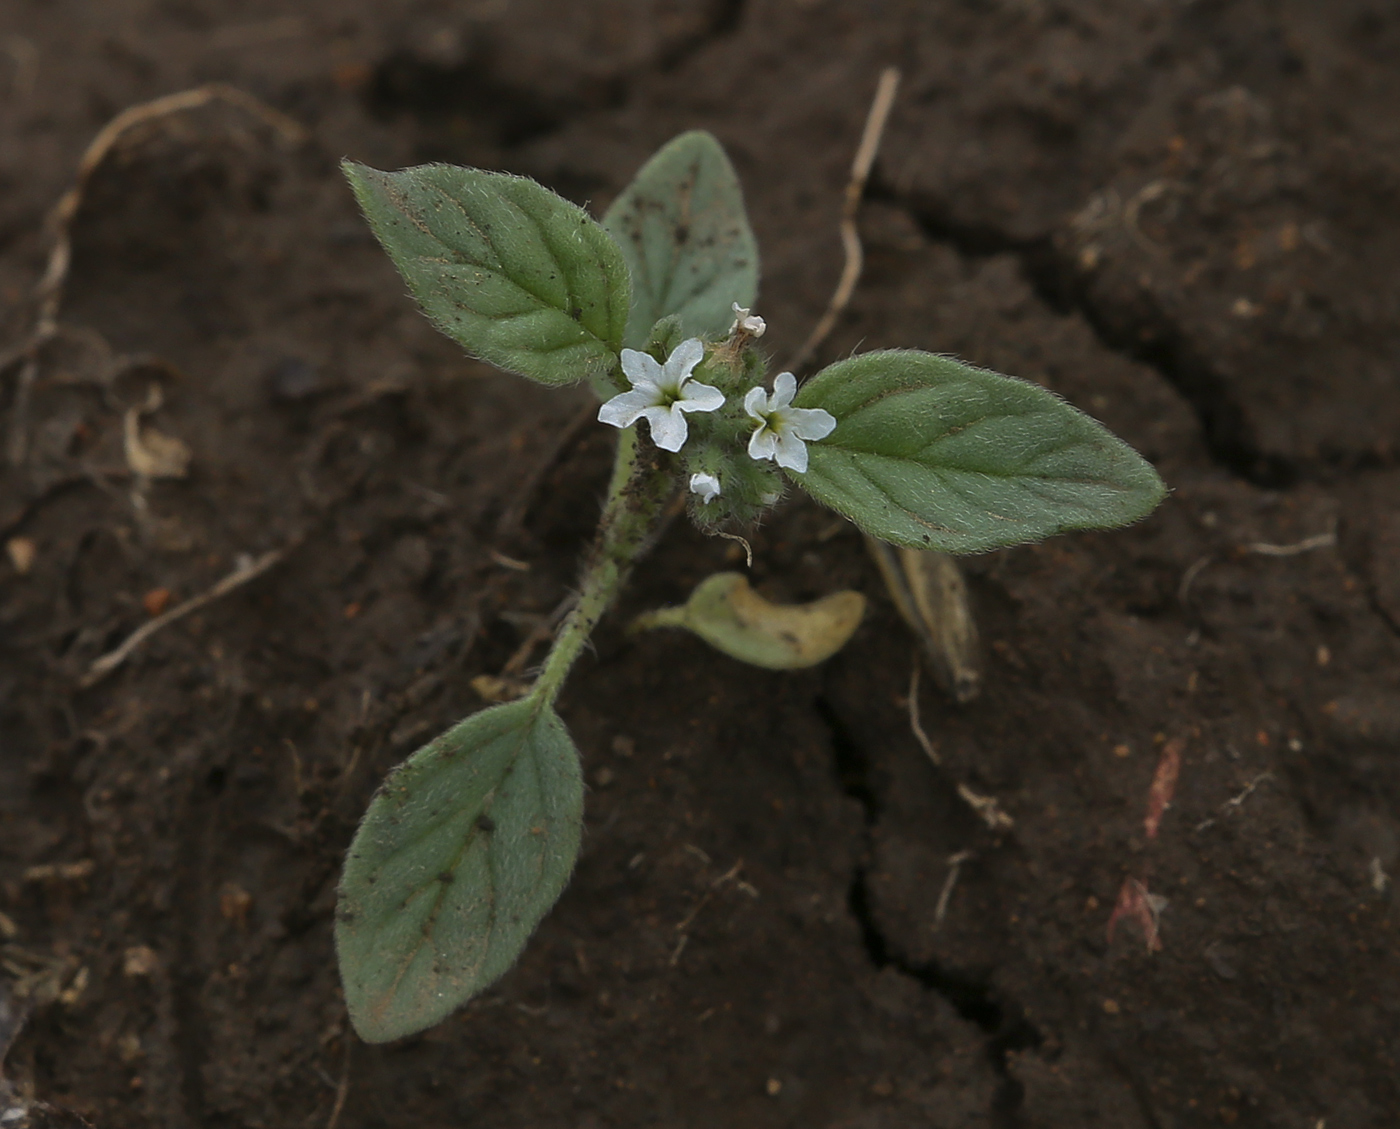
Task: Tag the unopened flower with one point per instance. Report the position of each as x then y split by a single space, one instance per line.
706 485
662 393
782 428
748 323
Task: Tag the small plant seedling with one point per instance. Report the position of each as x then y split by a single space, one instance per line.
471 840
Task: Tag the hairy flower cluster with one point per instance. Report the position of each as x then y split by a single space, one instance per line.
734 416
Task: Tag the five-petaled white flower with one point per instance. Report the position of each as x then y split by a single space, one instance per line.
662 393
706 485
783 428
751 324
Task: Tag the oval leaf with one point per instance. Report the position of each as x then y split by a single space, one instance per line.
513 273
734 619
463 850
685 235
934 454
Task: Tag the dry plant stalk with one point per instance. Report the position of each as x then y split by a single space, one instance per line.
986 807
109 662
850 235
931 596
48 292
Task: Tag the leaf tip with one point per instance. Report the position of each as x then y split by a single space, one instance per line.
356 173
1152 491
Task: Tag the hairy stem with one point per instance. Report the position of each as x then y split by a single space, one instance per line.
632 513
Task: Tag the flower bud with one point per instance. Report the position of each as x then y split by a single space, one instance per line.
745 488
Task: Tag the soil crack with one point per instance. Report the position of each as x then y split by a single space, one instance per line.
1145 333
972 997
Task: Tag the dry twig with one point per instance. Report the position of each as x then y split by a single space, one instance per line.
545 629
1235 801
48 293
1188 578
683 927
915 724
850 235
342 1089
109 662
1307 545
946 895
986 807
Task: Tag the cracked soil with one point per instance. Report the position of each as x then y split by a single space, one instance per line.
1180 215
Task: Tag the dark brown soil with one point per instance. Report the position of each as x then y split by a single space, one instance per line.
1179 215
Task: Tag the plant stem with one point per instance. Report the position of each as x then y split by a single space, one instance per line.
635 504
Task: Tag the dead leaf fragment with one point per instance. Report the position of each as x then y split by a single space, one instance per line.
129 1048
931 596
1137 905
234 903
140 960
494 688
1159 796
22 552
734 619
157 600
151 453
60 871
73 993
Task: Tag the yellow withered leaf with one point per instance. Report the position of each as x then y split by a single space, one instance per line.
731 617
929 590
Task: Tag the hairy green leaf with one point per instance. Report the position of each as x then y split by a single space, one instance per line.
931 453
685 235
463 850
513 273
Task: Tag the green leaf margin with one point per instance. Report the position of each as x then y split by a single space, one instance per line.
685 235
512 272
932 453
463 850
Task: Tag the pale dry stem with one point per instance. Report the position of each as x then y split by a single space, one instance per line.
48 292
1307 545
850 234
683 926
104 665
986 807
342 1089
946 894
915 724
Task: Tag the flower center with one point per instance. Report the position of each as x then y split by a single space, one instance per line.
669 392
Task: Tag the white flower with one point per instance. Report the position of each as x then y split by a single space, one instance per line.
706 485
782 428
661 393
751 324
